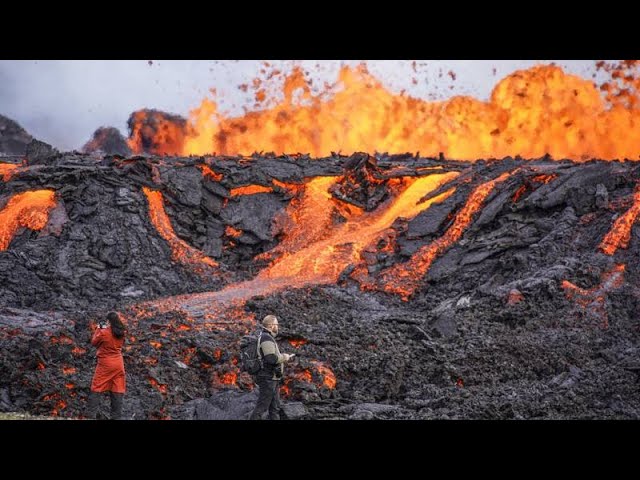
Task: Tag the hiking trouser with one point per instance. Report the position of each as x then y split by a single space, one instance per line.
116 405
268 399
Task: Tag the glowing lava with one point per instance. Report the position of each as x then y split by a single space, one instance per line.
313 252
250 190
29 210
7 170
181 251
593 301
323 260
620 233
530 113
404 278
210 174
328 377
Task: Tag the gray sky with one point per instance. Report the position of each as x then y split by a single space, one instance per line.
63 102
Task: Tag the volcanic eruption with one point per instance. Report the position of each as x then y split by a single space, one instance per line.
490 272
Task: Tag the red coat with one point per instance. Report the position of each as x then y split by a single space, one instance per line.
109 374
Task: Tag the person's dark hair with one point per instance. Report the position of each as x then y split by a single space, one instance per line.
117 327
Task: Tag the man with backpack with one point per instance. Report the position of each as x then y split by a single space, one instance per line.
269 376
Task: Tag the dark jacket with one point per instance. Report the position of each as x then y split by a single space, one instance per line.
272 359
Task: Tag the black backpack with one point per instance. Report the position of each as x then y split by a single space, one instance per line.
250 355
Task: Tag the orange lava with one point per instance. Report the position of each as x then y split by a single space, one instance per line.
304 376
67 370
158 386
29 210
620 233
228 378
297 343
7 170
313 250
229 231
328 377
593 300
210 174
404 278
78 351
321 253
181 251
530 113
250 190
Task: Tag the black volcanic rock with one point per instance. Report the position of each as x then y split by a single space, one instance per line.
13 138
40 153
458 348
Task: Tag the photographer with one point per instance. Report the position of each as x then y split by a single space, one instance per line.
109 375
268 379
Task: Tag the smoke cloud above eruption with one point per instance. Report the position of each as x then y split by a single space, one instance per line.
63 102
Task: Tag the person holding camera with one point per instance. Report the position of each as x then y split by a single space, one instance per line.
109 375
272 371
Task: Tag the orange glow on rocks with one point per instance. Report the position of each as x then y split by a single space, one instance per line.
620 233
232 232
210 174
592 301
7 170
328 377
158 386
28 210
250 190
404 278
181 251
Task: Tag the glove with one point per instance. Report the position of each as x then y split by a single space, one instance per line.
288 356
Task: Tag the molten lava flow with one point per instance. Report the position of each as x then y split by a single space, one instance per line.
292 188
229 231
541 179
306 219
530 113
304 376
7 170
620 233
403 279
324 260
162 388
250 190
228 378
593 301
312 252
181 251
298 342
27 209
210 174
78 351
328 377
68 370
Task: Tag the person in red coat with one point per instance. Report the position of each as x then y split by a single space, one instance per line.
109 375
